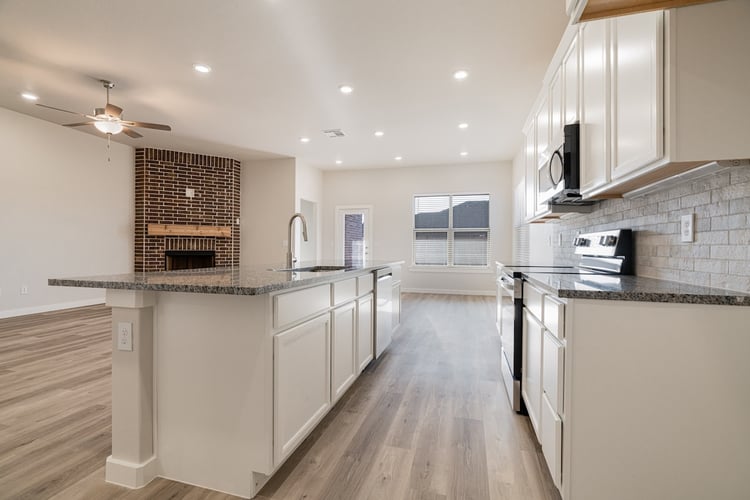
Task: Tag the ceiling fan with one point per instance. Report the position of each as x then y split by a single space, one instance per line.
108 119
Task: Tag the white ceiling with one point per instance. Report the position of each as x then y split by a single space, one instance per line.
277 65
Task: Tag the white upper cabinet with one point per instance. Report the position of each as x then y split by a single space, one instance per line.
571 75
530 167
543 149
556 110
594 105
637 91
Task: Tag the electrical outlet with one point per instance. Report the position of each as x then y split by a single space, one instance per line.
24 289
687 229
124 336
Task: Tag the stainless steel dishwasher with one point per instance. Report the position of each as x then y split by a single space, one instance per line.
384 309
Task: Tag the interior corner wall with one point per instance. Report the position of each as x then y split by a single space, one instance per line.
309 187
64 211
267 200
390 192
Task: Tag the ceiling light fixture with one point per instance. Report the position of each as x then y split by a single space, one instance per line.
304 139
464 153
346 89
339 162
29 96
399 158
202 68
107 127
379 133
463 126
461 74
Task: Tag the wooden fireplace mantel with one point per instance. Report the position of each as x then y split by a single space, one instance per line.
189 230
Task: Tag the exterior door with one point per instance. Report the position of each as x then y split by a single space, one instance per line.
353 229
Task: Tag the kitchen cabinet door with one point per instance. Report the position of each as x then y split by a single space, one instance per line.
530 169
637 91
556 110
571 76
594 105
531 384
302 383
344 365
365 344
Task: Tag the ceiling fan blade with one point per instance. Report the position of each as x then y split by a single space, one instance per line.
63 110
131 133
156 126
79 124
113 110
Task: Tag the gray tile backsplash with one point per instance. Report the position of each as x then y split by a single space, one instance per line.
719 256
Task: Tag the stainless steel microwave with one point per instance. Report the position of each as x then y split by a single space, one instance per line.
558 179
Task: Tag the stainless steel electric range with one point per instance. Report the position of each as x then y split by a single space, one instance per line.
605 252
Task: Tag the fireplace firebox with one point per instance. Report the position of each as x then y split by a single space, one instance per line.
189 259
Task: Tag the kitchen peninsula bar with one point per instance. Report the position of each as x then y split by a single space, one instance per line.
219 374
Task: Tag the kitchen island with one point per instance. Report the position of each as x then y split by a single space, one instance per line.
219 374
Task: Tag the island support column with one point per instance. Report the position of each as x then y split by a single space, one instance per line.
132 463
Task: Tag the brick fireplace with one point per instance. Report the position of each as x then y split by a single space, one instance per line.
170 224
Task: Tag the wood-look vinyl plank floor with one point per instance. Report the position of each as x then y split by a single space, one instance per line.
429 420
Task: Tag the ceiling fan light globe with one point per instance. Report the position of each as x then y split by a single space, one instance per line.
107 127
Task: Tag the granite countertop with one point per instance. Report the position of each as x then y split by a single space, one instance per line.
245 280
633 288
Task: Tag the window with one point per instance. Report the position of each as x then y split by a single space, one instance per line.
452 230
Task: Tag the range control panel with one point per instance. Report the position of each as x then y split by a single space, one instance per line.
612 243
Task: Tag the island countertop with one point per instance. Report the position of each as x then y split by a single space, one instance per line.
633 288
244 280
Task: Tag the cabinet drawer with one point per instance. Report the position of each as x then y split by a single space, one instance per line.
553 358
533 299
291 307
364 284
344 290
554 316
552 441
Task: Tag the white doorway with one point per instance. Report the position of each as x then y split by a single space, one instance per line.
353 235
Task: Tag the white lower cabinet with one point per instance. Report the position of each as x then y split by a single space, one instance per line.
343 363
551 439
365 344
531 383
302 383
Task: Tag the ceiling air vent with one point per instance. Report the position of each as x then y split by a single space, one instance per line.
333 133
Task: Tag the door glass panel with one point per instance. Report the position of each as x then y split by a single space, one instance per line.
354 239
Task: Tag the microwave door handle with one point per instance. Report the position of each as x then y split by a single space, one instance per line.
549 168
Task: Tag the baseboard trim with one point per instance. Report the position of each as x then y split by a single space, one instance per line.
128 474
11 313
489 293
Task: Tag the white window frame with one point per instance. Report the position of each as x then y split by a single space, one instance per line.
450 266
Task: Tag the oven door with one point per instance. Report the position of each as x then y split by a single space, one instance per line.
509 364
551 176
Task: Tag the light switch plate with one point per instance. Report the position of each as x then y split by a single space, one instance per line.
124 336
687 230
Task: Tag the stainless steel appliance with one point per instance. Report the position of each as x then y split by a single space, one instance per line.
601 253
384 309
558 179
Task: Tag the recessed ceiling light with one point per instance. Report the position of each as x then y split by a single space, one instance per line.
339 162
379 133
464 153
29 96
346 89
304 139
202 68
460 74
463 126
398 158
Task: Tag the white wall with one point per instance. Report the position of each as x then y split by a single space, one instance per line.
266 202
390 192
309 187
64 211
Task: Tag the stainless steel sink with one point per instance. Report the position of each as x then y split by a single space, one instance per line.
312 269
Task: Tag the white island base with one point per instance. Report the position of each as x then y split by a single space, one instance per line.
200 399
